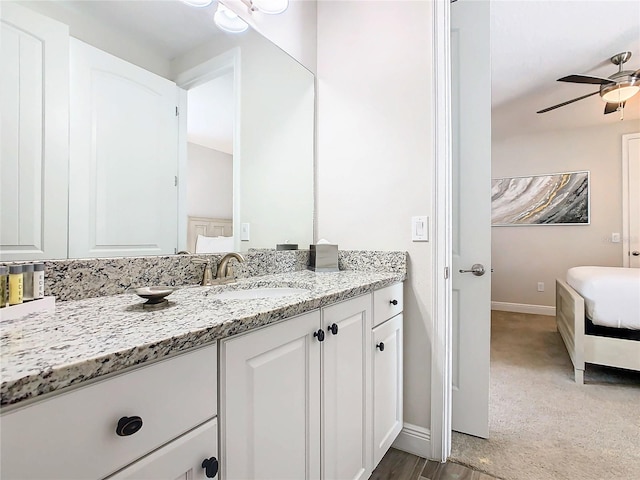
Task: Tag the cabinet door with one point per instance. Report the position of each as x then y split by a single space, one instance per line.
34 145
346 396
387 385
270 402
181 459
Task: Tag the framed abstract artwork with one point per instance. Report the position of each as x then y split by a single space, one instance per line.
553 199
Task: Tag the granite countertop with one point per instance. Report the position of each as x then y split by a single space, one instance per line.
85 339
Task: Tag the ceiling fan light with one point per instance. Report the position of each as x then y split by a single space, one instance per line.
619 93
228 21
271 7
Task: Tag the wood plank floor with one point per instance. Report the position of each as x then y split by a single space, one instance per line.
398 465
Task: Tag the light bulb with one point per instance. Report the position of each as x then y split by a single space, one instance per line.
198 3
228 21
271 7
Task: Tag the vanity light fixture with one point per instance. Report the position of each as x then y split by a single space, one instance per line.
228 21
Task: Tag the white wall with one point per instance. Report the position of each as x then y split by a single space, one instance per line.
525 255
209 182
374 161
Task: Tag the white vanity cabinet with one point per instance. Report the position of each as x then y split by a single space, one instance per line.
346 389
387 369
91 432
295 389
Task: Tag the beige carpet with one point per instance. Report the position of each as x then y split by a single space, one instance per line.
542 426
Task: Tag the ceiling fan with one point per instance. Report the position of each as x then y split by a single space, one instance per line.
615 90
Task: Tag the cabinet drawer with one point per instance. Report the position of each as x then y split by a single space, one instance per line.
387 303
181 459
73 435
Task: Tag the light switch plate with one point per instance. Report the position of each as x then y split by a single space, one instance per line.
615 238
420 228
245 230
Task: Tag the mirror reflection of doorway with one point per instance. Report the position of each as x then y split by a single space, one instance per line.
210 120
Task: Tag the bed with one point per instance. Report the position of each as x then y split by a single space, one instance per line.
212 231
598 317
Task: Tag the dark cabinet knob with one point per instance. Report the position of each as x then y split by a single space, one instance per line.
333 329
210 466
128 426
380 346
320 335
393 302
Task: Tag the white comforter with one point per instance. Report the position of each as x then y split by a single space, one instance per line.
611 294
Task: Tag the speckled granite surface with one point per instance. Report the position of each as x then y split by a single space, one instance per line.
88 278
85 339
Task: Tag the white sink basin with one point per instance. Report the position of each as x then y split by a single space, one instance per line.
252 293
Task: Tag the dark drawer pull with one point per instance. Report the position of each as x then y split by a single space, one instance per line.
210 466
128 426
380 346
320 335
393 302
333 328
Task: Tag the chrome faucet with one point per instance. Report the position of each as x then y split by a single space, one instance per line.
223 264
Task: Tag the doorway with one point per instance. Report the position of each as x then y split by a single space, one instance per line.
209 152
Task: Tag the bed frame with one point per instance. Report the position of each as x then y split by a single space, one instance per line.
584 348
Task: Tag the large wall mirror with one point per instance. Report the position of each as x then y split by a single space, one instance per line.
138 128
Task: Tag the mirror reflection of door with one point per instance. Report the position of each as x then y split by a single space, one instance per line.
210 120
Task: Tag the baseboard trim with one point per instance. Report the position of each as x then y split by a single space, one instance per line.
414 439
524 308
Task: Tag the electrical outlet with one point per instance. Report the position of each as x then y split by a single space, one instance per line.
615 238
541 286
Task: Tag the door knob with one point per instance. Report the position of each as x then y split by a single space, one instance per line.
635 253
477 269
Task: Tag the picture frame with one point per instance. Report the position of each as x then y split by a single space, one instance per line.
545 199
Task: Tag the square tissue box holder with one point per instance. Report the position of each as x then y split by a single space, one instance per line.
323 257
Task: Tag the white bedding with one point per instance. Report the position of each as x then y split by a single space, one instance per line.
214 244
611 294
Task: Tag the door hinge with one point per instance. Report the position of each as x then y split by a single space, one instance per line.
175 181
446 273
177 111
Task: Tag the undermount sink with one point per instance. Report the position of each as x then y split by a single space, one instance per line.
265 292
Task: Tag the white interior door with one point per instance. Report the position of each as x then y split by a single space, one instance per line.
123 164
34 148
471 232
631 200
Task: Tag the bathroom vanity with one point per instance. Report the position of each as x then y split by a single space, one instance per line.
307 385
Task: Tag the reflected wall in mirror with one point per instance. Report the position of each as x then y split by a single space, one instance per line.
137 171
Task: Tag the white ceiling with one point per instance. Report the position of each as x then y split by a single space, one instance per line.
210 114
169 27
535 42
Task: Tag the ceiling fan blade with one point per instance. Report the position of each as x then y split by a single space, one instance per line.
568 102
585 79
612 107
